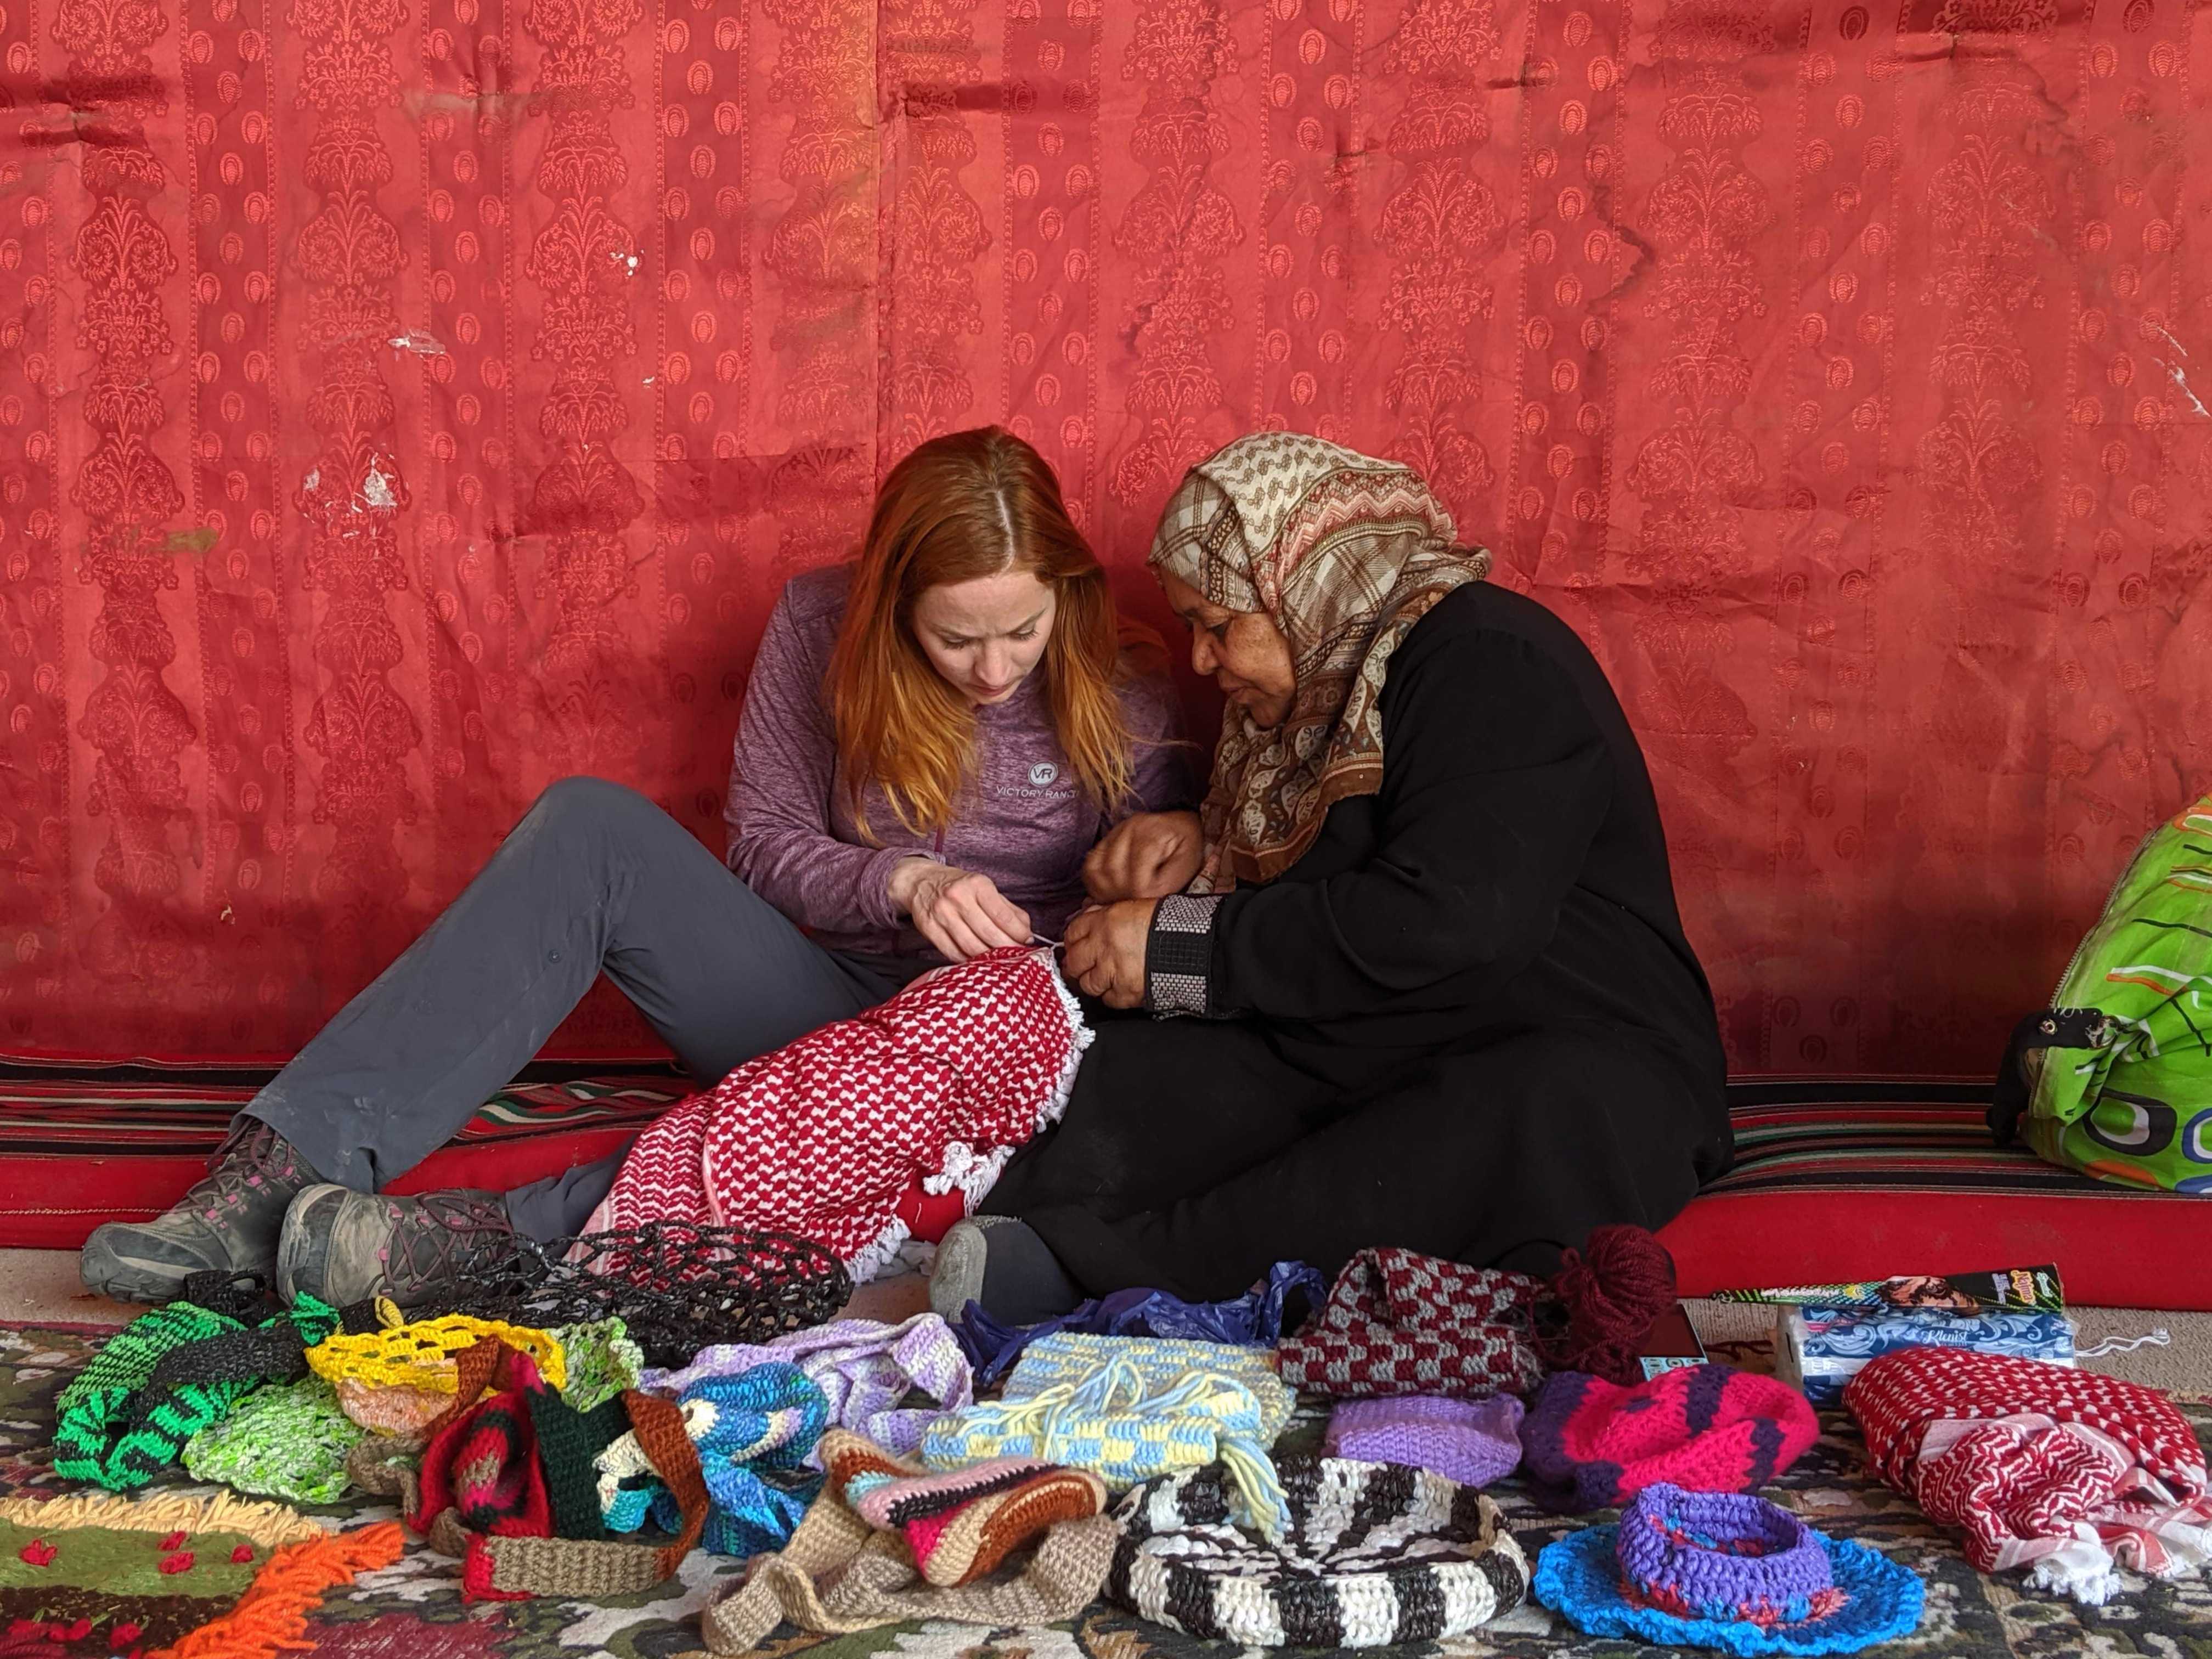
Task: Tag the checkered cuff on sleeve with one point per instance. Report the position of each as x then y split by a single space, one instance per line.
1179 954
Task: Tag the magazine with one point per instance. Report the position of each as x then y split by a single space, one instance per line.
2011 1290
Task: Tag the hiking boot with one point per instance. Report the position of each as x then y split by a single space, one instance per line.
229 1222
424 1252
1002 1266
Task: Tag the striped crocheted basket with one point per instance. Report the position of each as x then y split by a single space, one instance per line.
1377 1554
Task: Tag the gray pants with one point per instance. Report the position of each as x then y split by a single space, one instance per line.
594 879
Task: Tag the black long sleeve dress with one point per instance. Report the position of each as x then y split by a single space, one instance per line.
1467 1021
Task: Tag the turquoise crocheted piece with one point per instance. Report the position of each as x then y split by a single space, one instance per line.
754 1432
1131 1409
165 1376
287 1441
1581 1577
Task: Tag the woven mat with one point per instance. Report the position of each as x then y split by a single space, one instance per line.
414 1610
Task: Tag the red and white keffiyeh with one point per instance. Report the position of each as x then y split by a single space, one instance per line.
822 1138
2063 1471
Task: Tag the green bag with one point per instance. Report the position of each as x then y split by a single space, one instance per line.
2115 1078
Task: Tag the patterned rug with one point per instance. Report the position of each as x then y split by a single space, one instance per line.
413 1610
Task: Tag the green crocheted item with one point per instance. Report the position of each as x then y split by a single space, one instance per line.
602 1363
164 1377
286 1441
568 1441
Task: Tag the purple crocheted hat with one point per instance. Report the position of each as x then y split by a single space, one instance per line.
1726 1571
1473 1442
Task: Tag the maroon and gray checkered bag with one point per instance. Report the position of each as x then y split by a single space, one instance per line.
1396 1322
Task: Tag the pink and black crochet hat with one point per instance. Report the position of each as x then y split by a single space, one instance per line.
1587 1444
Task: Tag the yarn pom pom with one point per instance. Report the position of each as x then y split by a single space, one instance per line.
1607 1296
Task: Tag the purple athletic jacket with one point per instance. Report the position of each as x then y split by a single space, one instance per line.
1024 821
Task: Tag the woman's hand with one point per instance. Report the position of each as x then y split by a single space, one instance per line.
960 914
1105 953
1146 856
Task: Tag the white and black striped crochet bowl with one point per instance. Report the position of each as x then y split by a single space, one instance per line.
1377 1553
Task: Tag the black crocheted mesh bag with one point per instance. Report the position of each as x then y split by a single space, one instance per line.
676 1286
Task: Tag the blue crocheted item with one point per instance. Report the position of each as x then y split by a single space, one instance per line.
1255 1319
754 1432
1581 1577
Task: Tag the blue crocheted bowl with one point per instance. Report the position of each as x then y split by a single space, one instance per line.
1585 1578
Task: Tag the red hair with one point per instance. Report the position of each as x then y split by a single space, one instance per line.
964 505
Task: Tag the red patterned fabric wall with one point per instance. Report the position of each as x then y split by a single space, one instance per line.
404 403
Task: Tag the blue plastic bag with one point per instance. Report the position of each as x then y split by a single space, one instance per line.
1254 1319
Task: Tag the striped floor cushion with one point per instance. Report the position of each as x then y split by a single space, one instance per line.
1843 1181
84 1145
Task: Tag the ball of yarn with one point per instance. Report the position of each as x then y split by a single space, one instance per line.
1607 1298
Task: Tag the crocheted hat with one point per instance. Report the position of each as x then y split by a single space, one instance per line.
288 1440
961 1525
1377 1553
1128 1408
1726 1571
1587 1443
2065 1472
839 1575
1473 1442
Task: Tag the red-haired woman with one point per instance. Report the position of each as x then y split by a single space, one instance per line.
932 739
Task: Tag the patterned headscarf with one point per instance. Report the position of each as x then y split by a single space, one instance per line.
1345 553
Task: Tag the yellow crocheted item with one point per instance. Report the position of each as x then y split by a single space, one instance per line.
422 1353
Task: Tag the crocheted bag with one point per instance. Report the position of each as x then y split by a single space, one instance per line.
866 1369
755 1432
1726 1571
839 1575
510 1564
1400 1322
2114 1078
962 1525
1129 1409
165 1376
824 1136
1587 1444
288 1440
675 1286
422 1353
2066 1473
1376 1554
